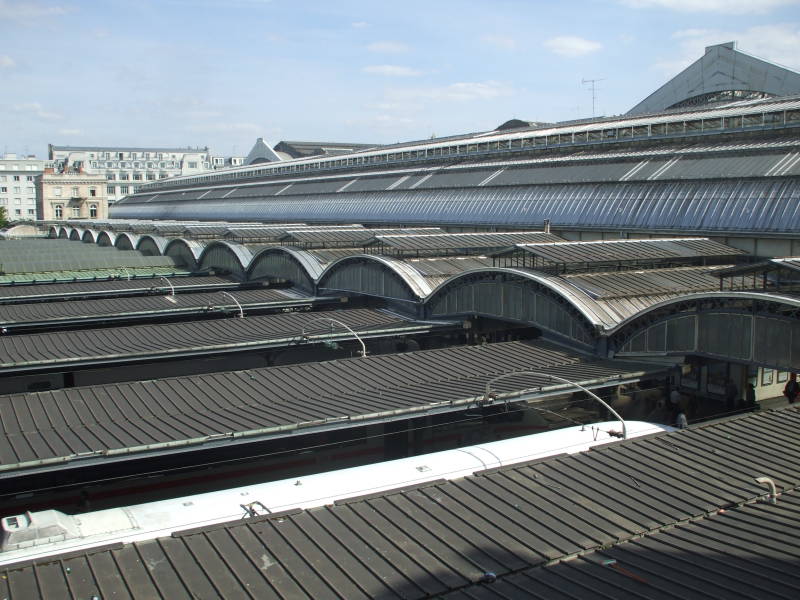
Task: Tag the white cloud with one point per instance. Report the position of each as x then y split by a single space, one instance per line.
455 92
501 41
775 43
37 110
572 46
6 62
388 47
391 71
737 7
70 132
359 25
25 11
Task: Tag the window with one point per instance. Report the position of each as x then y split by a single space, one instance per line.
93 211
18 212
17 189
59 211
92 192
3 189
123 189
17 200
56 191
16 177
137 176
110 190
150 177
31 212
76 211
30 189
29 177
192 164
3 178
111 176
75 192
124 176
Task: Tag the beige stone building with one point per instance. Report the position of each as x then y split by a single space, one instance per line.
73 195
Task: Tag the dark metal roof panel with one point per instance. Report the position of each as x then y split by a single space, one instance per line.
356 236
443 241
150 341
119 286
621 284
47 425
743 205
150 304
627 250
673 513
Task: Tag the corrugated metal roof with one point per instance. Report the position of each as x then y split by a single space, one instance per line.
622 284
46 350
355 236
444 241
62 423
626 250
144 306
121 286
87 275
441 537
701 206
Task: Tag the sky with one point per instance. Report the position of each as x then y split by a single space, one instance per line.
221 73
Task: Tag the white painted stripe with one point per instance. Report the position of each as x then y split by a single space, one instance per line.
347 185
490 177
778 164
663 169
414 185
283 189
403 179
230 192
788 166
634 170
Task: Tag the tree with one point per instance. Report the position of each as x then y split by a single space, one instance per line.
3 217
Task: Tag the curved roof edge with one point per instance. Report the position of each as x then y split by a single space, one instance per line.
194 246
416 283
788 300
242 253
582 302
309 262
160 242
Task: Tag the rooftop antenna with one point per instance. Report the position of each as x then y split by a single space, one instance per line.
593 83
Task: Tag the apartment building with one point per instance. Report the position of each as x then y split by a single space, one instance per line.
18 185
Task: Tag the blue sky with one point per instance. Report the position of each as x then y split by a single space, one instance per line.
222 73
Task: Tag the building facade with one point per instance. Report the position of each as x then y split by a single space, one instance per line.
18 186
126 168
73 195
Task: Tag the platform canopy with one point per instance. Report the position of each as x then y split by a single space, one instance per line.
722 74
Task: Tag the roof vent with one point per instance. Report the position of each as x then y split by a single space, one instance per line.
33 529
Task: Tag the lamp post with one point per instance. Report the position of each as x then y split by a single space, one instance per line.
488 395
239 306
355 335
171 296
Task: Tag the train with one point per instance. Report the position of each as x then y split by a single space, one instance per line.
40 534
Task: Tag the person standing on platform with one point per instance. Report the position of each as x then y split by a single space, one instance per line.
792 388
